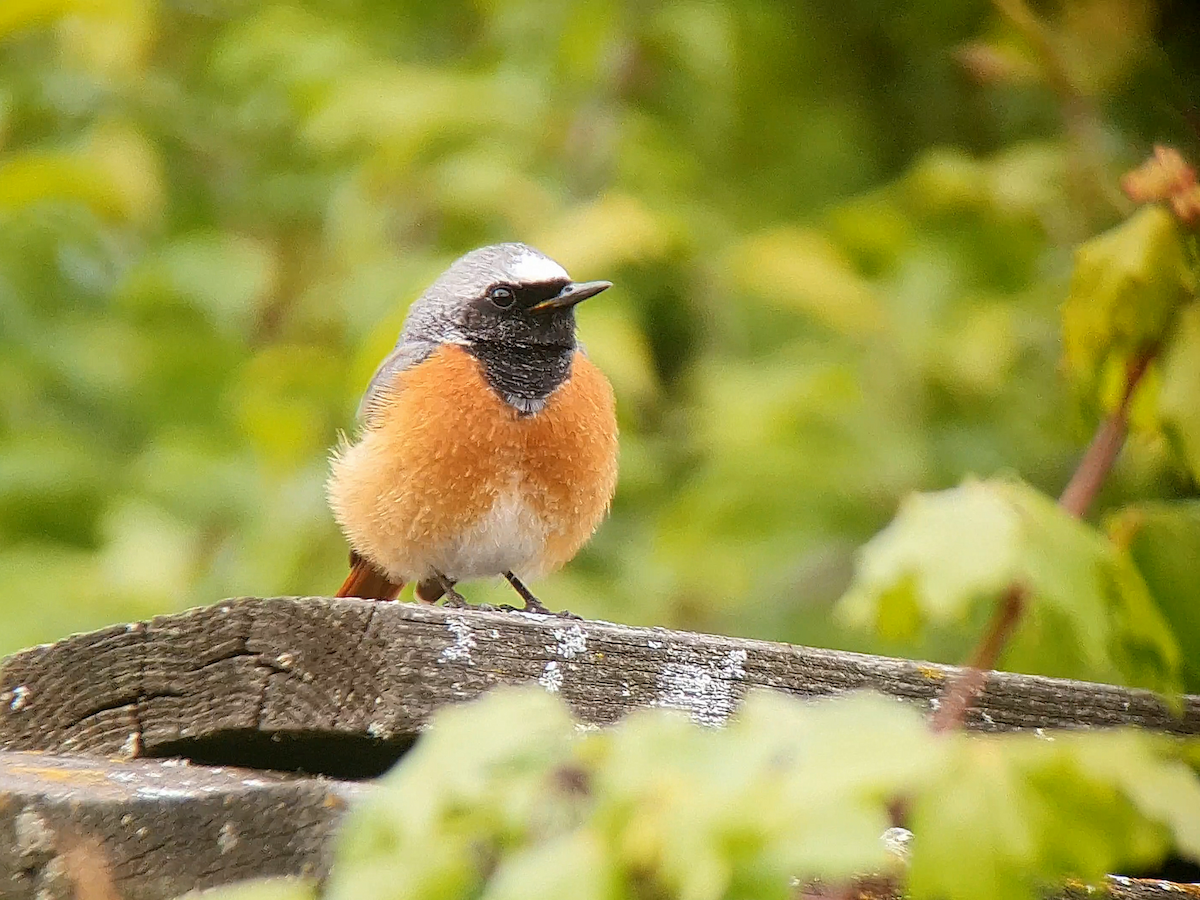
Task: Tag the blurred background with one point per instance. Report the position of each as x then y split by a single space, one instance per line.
840 232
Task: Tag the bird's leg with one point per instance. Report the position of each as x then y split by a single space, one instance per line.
532 603
443 586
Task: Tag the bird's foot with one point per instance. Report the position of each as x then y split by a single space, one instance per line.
532 603
441 587
452 599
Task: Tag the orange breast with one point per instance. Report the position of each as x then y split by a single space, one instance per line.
449 472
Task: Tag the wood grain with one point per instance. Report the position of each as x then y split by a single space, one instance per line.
146 830
284 683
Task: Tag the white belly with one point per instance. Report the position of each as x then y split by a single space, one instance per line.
510 538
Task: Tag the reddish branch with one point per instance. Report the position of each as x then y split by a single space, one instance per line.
1093 469
963 691
1076 499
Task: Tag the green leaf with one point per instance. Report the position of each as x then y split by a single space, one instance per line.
503 795
403 108
475 780
1127 285
576 865
503 798
787 789
1179 396
1145 768
943 551
614 230
1014 813
835 786
225 276
946 180
1163 540
1087 614
277 401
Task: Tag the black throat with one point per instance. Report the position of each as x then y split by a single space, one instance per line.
524 375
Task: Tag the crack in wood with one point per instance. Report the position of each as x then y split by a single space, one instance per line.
134 746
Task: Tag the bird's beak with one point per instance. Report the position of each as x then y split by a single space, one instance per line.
573 293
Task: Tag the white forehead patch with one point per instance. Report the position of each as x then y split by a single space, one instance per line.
531 268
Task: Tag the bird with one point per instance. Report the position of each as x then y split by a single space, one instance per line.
487 440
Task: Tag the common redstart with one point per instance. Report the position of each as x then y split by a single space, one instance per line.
488 439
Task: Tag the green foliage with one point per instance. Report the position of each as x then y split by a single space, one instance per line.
1016 814
840 279
828 294
1088 612
1164 541
1127 286
1177 400
507 798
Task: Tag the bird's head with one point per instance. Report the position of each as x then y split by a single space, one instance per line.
502 294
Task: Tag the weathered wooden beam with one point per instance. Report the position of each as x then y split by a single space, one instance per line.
148 830
342 686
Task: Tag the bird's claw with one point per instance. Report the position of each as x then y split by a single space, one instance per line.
454 599
534 605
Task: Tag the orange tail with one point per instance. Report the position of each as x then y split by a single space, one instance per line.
367 582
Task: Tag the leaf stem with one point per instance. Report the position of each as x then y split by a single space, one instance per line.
1076 499
1102 452
963 691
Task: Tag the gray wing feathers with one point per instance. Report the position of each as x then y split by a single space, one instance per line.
406 354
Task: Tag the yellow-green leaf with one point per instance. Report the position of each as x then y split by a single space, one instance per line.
1179 396
1127 285
1087 614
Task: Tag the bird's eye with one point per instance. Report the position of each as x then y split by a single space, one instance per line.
502 296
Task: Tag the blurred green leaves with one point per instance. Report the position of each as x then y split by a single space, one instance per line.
808 271
1018 813
1088 612
657 801
838 275
1127 286
505 797
1177 399
1163 539
115 173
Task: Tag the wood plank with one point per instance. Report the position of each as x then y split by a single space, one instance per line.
295 682
147 830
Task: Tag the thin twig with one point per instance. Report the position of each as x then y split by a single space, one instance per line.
1076 499
1102 452
964 690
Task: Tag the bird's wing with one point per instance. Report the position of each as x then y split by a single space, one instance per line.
406 354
